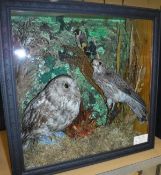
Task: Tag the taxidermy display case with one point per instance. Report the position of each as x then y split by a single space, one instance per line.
79 83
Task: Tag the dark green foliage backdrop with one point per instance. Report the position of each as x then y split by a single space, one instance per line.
44 38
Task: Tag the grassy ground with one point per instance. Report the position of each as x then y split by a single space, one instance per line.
117 135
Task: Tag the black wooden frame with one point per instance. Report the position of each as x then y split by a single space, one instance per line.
158 120
9 87
2 123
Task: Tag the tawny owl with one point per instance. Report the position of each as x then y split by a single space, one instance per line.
117 90
53 109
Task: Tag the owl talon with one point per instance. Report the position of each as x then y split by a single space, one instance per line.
113 107
110 104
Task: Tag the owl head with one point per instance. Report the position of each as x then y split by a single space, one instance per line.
64 85
98 66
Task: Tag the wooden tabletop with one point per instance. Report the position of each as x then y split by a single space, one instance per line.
4 155
122 165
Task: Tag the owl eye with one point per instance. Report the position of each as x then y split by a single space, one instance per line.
100 63
66 85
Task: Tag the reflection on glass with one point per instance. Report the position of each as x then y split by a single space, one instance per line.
83 84
20 53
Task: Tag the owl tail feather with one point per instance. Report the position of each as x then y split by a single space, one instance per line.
139 109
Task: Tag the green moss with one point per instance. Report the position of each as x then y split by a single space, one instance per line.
101 50
49 62
98 32
91 99
45 77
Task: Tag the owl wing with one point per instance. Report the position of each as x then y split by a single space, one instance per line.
115 80
33 116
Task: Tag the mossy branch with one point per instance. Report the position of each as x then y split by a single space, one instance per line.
82 61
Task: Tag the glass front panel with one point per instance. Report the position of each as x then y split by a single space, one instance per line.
83 84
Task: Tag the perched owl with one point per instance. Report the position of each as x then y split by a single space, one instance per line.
53 109
117 90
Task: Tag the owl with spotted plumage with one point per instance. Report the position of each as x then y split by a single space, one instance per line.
53 109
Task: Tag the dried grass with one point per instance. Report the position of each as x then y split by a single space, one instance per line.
107 138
